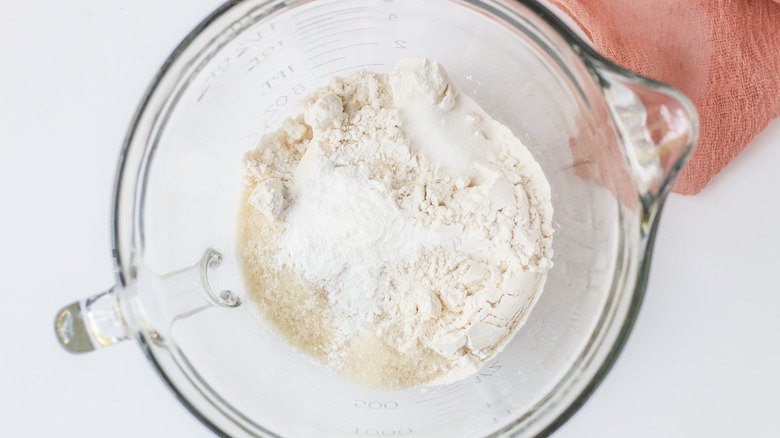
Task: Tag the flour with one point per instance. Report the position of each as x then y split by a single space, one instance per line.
395 230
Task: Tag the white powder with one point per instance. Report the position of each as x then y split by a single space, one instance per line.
342 234
421 223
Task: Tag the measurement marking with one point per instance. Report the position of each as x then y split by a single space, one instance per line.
342 48
447 423
447 412
442 395
349 68
450 400
314 22
457 413
320 32
323 44
320 7
444 410
326 14
332 22
447 387
344 31
453 386
443 413
335 33
328 62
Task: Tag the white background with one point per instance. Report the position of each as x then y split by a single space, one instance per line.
704 358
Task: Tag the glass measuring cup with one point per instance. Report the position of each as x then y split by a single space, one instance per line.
609 142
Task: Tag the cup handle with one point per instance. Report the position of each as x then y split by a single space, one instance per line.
658 128
91 323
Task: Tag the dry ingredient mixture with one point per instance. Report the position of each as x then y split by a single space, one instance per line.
394 230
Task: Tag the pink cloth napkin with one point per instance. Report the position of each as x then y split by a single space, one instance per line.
723 54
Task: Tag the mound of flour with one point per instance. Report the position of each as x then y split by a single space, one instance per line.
394 230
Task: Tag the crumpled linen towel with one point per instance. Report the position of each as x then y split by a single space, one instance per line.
723 54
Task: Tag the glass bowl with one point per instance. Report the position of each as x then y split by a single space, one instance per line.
610 143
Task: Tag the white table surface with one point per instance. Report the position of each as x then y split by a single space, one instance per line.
703 360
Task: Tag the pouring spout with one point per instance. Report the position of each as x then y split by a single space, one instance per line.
658 128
